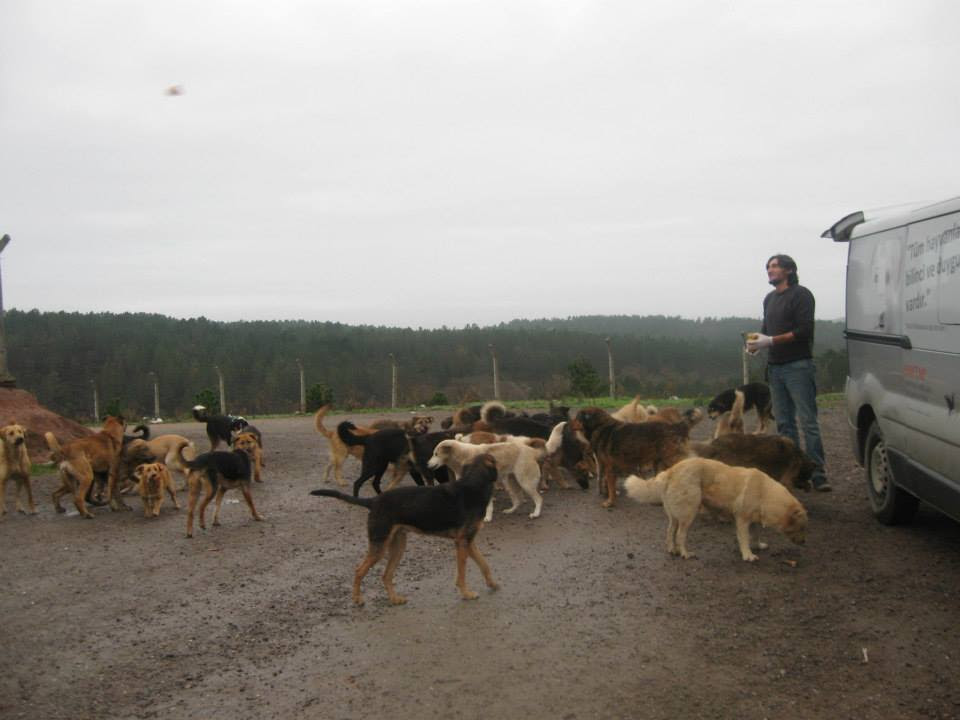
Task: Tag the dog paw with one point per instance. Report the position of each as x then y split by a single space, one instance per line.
358 600
750 558
258 518
688 555
469 595
762 545
493 586
534 515
510 510
398 600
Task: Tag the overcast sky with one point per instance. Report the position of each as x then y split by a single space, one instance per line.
430 163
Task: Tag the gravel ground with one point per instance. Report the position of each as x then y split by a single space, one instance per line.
123 617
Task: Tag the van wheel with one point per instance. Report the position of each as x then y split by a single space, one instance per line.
891 504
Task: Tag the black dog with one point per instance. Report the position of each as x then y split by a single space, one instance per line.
220 428
454 510
756 396
422 450
495 418
216 472
390 445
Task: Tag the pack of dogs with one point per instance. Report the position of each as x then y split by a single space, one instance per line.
645 450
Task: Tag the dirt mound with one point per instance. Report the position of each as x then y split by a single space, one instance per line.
19 406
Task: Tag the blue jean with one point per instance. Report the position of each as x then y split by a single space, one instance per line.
793 389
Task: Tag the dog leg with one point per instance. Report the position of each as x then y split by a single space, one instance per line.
374 552
208 496
249 498
489 514
221 491
743 540
462 551
482 564
671 534
529 486
611 479
172 492
683 525
3 497
755 541
510 483
396 547
58 493
193 486
80 496
30 503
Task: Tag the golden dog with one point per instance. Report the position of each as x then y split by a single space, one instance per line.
256 451
15 465
749 496
339 450
152 479
632 412
79 459
166 449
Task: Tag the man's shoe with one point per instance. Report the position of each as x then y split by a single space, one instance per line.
822 486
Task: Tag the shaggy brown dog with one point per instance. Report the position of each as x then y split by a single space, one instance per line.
777 456
216 472
15 465
749 496
152 479
339 450
623 448
691 416
79 459
452 510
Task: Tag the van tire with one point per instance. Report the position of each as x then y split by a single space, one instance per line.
891 504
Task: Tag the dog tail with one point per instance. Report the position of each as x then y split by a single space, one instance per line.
493 410
200 413
192 464
143 430
646 491
539 445
344 433
555 442
362 501
56 452
318 422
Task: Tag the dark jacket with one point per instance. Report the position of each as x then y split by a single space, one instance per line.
789 311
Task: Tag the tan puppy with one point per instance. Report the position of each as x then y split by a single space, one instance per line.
518 467
152 479
79 459
15 465
632 412
339 450
749 496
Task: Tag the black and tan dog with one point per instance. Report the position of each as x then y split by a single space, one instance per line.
15 465
80 460
453 510
382 448
622 448
219 471
756 396
220 428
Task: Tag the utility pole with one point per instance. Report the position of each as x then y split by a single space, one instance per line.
96 402
393 381
6 379
613 383
496 377
223 397
156 395
303 389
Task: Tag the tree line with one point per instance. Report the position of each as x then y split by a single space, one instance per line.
61 357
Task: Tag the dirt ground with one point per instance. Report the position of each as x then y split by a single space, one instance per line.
123 617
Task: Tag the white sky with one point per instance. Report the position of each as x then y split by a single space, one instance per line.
429 163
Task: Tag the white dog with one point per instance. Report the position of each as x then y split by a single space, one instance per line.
518 464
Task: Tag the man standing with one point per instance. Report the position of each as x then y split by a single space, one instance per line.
788 333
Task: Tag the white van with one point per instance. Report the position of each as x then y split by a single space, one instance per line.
903 342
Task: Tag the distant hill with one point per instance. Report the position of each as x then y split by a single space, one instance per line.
61 357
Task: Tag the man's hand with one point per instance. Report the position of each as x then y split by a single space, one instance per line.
758 341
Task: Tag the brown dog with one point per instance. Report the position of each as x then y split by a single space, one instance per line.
256 451
166 449
339 450
749 496
777 456
79 459
623 448
152 479
15 465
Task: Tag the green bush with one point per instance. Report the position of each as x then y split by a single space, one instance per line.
317 396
